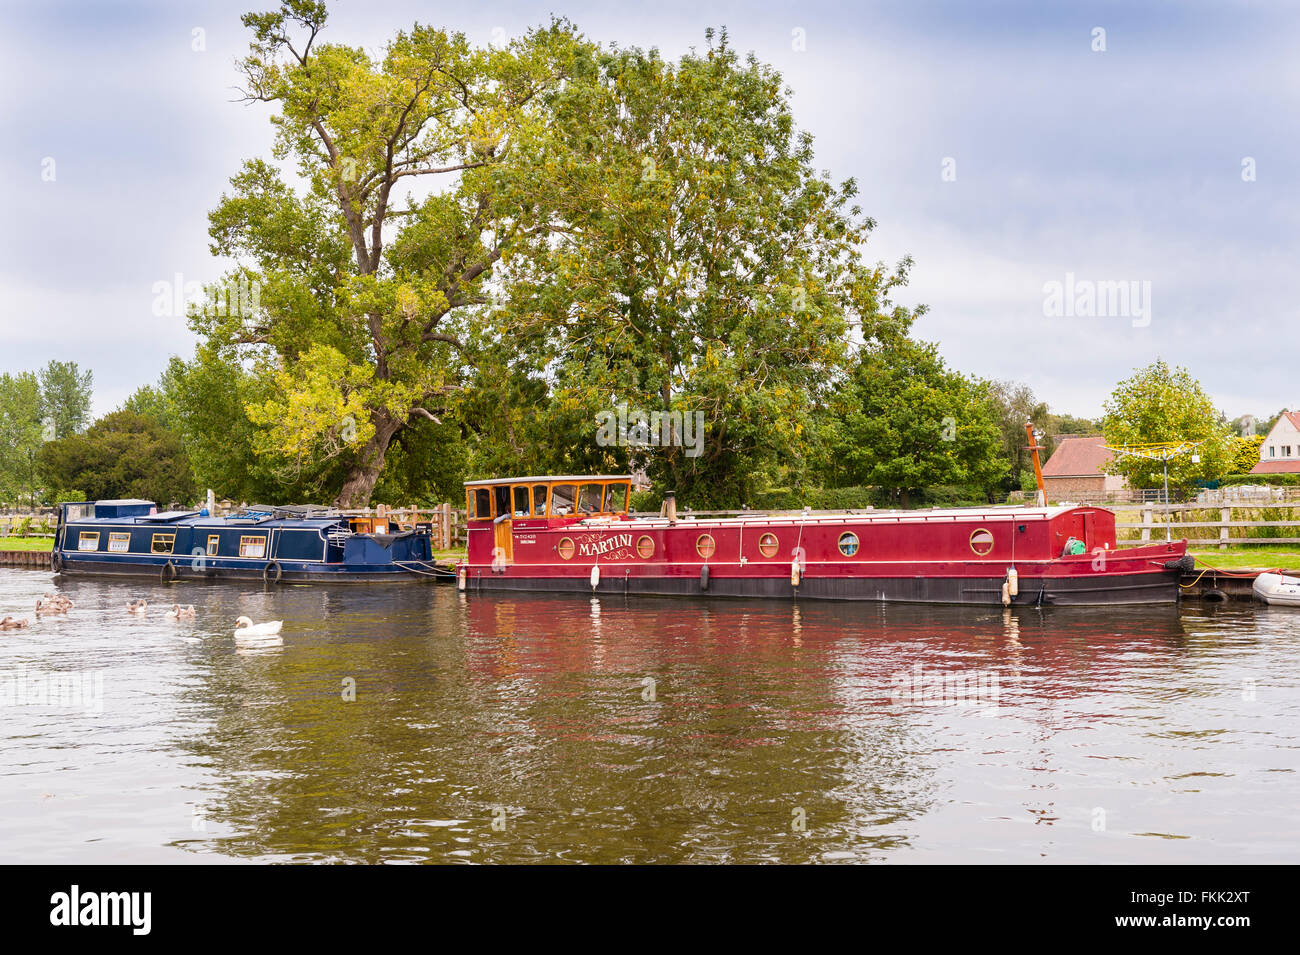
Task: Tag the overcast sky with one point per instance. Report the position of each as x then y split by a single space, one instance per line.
995 143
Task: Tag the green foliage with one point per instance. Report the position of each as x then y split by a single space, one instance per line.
65 398
1016 404
696 261
1275 480
1244 452
906 422
21 435
1163 404
356 276
122 454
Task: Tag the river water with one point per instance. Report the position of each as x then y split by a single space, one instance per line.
412 723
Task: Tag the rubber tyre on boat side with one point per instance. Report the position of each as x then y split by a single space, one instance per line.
168 572
267 577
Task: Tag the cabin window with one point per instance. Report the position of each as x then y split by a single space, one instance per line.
214 544
981 541
119 543
252 545
616 496
645 547
705 546
539 500
481 501
848 543
521 508
768 545
589 498
562 498
162 543
565 548
88 540
501 499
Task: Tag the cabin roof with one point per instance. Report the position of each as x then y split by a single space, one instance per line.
568 478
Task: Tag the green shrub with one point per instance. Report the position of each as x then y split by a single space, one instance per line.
1276 480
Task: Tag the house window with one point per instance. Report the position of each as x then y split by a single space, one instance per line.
1286 450
214 544
767 545
119 543
1272 451
252 546
88 540
162 543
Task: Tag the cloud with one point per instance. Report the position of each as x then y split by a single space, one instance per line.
1116 165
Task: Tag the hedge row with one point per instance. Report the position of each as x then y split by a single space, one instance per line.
1277 480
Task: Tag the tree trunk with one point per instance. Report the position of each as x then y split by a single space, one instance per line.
364 475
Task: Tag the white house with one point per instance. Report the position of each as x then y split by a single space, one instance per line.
1280 452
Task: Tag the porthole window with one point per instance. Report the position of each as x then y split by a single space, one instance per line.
645 547
565 548
981 541
848 543
705 545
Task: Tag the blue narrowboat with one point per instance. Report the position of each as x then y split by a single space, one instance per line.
283 544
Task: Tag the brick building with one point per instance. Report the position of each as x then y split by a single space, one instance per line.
1075 468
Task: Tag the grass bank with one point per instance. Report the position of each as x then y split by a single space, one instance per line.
26 543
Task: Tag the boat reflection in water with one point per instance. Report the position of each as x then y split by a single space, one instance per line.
613 729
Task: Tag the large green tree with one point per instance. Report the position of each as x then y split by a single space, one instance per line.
65 398
367 274
121 455
21 435
1160 404
694 260
904 422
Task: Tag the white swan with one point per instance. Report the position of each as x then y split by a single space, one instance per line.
137 606
248 633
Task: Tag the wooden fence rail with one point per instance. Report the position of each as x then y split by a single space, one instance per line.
1225 524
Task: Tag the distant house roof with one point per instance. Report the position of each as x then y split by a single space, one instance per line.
1078 457
1293 417
1285 466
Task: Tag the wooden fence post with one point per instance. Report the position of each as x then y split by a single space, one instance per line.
445 526
1225 515
1147 513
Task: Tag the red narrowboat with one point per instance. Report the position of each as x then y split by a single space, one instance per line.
574 533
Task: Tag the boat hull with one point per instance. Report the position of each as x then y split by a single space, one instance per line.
1120 589
1064 556
1277 590
290 572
